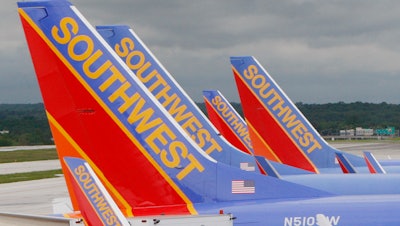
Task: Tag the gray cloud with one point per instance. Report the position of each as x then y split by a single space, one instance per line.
318 51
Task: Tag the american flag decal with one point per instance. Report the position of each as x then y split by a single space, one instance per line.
243 187
248 166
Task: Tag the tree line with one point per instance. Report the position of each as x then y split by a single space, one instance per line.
330 118
26 124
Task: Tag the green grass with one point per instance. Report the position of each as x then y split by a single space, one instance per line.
28 155
15 177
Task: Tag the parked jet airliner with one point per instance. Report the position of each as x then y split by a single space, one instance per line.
171 95
278 124
167 91
227 120
100 112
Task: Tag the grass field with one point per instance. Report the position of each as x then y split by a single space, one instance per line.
26 156
15 177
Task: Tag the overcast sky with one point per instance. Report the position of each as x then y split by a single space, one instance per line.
317 51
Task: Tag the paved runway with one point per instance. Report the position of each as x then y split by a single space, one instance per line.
20 167
36 197
32 197
36 147
381 150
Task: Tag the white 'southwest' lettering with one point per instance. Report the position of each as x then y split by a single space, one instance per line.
281 111
132 107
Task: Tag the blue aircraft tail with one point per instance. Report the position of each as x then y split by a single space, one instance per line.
96 205
345 164
225 118
373 165
233 127
170 94
99 111
278 121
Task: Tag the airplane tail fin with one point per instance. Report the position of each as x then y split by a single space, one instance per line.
345 164
373 165
99 111
233 127
226 119
96 205
268 167
172 97
279 122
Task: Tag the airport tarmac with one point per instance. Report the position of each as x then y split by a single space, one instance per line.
21 167
382 150
32 197
37 197
35 147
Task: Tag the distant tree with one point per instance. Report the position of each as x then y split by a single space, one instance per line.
27 123
4 141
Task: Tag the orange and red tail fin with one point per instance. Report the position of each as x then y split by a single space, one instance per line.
345 164
96 205
279 122
373 165
228 122
233 127
98 113
101 112
141 61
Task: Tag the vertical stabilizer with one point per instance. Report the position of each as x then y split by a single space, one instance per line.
373 165
226 119
127 44
345 164
278 121
96 205
99 110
